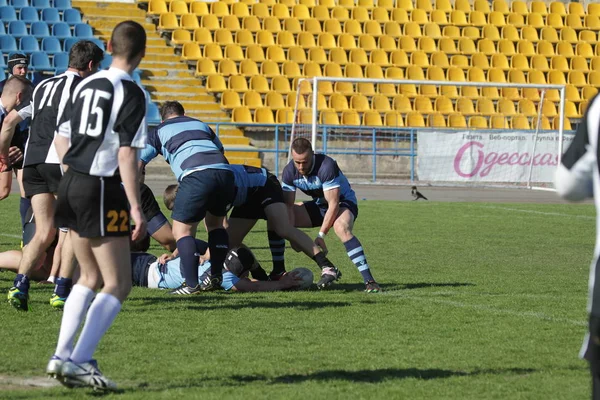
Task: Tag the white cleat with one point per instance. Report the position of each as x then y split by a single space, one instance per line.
86 374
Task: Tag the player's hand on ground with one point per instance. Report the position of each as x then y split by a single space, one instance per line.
164 258
290 280
140 223
321 243
14 155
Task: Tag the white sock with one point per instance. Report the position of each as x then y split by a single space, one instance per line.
75 308
99 318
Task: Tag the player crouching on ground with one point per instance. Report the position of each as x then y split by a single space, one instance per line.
149 272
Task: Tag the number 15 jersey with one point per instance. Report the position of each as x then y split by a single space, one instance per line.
107 111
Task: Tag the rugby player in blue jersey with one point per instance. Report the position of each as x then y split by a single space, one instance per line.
333 205
206 189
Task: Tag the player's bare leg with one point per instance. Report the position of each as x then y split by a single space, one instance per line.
43 209
343 227
301 216
68 264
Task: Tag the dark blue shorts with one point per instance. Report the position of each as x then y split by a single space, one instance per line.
259 199
211 190
316 212
140 264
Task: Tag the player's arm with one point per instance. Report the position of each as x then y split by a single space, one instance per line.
287 281
289 192
333 208
8 131
128 159
574 175
5 184
151 149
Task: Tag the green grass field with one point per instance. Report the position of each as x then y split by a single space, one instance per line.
482 301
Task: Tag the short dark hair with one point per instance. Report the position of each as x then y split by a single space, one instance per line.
18 83
128 40
82 53
169 196
169 108
301 145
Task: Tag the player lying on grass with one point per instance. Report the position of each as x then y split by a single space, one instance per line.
333 205
259 196
149 272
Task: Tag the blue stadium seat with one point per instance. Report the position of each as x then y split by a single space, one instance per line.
83 31
17 29
62 5
29 44
98 42
7 14
29 15
61 61
68 43
152 114
105 63
19 3
2 30
3 3
72 16
39 29
40 4
40 62
2 74
50 15
61 30
51 45
2 62
8 44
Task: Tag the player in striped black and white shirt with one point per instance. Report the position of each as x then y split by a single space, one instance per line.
42 173
577 179
106 125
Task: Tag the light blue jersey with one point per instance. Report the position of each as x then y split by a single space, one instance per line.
247 180
187 144
170 275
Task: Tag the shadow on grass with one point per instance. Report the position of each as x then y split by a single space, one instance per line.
297 305
421 285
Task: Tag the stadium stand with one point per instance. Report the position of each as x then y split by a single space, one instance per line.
496 41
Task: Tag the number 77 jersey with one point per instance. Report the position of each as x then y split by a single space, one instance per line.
106 111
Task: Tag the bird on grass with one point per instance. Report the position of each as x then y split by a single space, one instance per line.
416 194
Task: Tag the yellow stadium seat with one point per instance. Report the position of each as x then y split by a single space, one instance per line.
372 28
301 12
457 121
496 75
360 14
558 62
393 29
329 117
312 25
572 93
592 22
424 5
252 100
479 122
387 89
199 8
594 78
344 3
574 21
326 87
587 36
496 18
451 31
380 103
486 46
367 43
482 5
251 23
566 49
515 19
292 25
380 14
400 15
538 7
571 110
484 106
320 13
379 57
500 61
458 18
426 44
519 7
471 32
202 36
280 11
333 69
447 45
372 118
244 38
423 105
284 116
387 4
526 48
311 69
293 97
219 8
281 84
443 5
436 120
291 69
520 122
469 92
340 13
353 27
545 48
462 61
532 94
535 76
321 101
227 67
499 122
285 39
584 49
587 92
269 68
353 71
544 122
530 33
500 6
577 78
345 88
223 37
467 46
359 103
406 43
167 22
593 8
465 106
540 63
432 30
568 34
338 101
506 107
535 20
399 58
231 23
230 99
549 108
415 119
326 41
440 59
490 92
510 32
238 83
439 17
444 105
402 104
276 54
435 73
248 68
157 7
189 22
215 83
393 119
264 115
576 9
419 16
566 125
178 7
210 22
346 41
462 5
415 72
259 84
242 115
359 56
181 36
595 63
332 26
191 52
255 53
412 29
297 54
554 20
205 67
366 3
455 74
338 56
449 91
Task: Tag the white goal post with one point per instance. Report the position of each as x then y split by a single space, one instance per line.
445 155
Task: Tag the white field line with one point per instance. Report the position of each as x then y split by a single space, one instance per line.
555 214
10 236
490 309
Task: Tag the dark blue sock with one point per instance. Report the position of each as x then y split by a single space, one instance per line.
277 246
63 287
21 282
201 246
218 243
189 260
24 205
357 255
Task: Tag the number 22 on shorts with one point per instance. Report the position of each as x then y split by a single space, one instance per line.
119 221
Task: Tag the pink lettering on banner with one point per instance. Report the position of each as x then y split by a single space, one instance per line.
486 162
